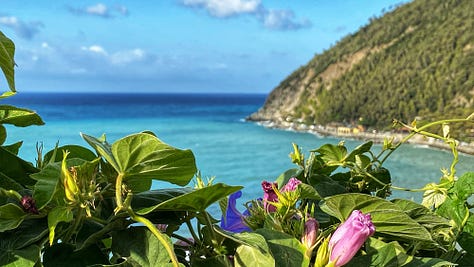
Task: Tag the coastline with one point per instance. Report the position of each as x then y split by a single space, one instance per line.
375 136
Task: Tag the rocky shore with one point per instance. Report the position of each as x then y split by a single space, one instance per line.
355 134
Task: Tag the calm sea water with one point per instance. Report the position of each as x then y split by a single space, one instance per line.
212 125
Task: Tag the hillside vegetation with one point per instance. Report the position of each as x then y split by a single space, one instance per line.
416 61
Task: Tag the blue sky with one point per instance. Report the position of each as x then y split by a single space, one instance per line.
223 46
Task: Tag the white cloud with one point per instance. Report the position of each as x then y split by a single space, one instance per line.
100 10
23 29
282 20
95 49
225 8
128 56
273 19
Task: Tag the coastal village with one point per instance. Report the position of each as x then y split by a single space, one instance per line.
359 132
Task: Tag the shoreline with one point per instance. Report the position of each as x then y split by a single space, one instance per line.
375 136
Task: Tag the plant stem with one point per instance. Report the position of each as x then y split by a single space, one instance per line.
158 235
191 230
118 193
211 229
415 130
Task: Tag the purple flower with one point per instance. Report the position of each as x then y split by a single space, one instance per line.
291 185
269 195
233 219
310 234
349 237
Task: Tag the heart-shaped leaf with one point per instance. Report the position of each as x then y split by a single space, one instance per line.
7 63
197 200
286 250
12 215
141 157
19 116
387 217
139 247
17 168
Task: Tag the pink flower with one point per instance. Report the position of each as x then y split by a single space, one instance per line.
291 185
269 195
349 237
310 233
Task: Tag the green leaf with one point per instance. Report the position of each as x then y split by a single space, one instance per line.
453 209
25 257
384 254
379 254
250 256
153 197
143 156
140 248
62 254
388 218
7 94
3 134
19 116
12 215
29 232
359 150
214 261
197 200
286 250
326 186
55 216
13 148
253 249
308 192
464 187
7 63
422 215
75 151
333 155
17 246
102 147
8 183
466 240
17 168
285 177
48 185
428 262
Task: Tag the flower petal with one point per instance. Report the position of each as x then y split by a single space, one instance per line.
233 219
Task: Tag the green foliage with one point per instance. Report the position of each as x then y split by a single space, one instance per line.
7 63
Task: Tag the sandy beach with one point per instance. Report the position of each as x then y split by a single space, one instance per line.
375 136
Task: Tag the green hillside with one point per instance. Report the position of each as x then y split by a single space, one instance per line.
416 61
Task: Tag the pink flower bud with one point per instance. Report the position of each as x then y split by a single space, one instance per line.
310 233
269 195
161 227
291 185
29 204
349 237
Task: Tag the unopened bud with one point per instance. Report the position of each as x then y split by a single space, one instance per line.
29 204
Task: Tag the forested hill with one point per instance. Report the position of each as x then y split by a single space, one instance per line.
416 60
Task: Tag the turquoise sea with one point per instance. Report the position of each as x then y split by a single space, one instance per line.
236 152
